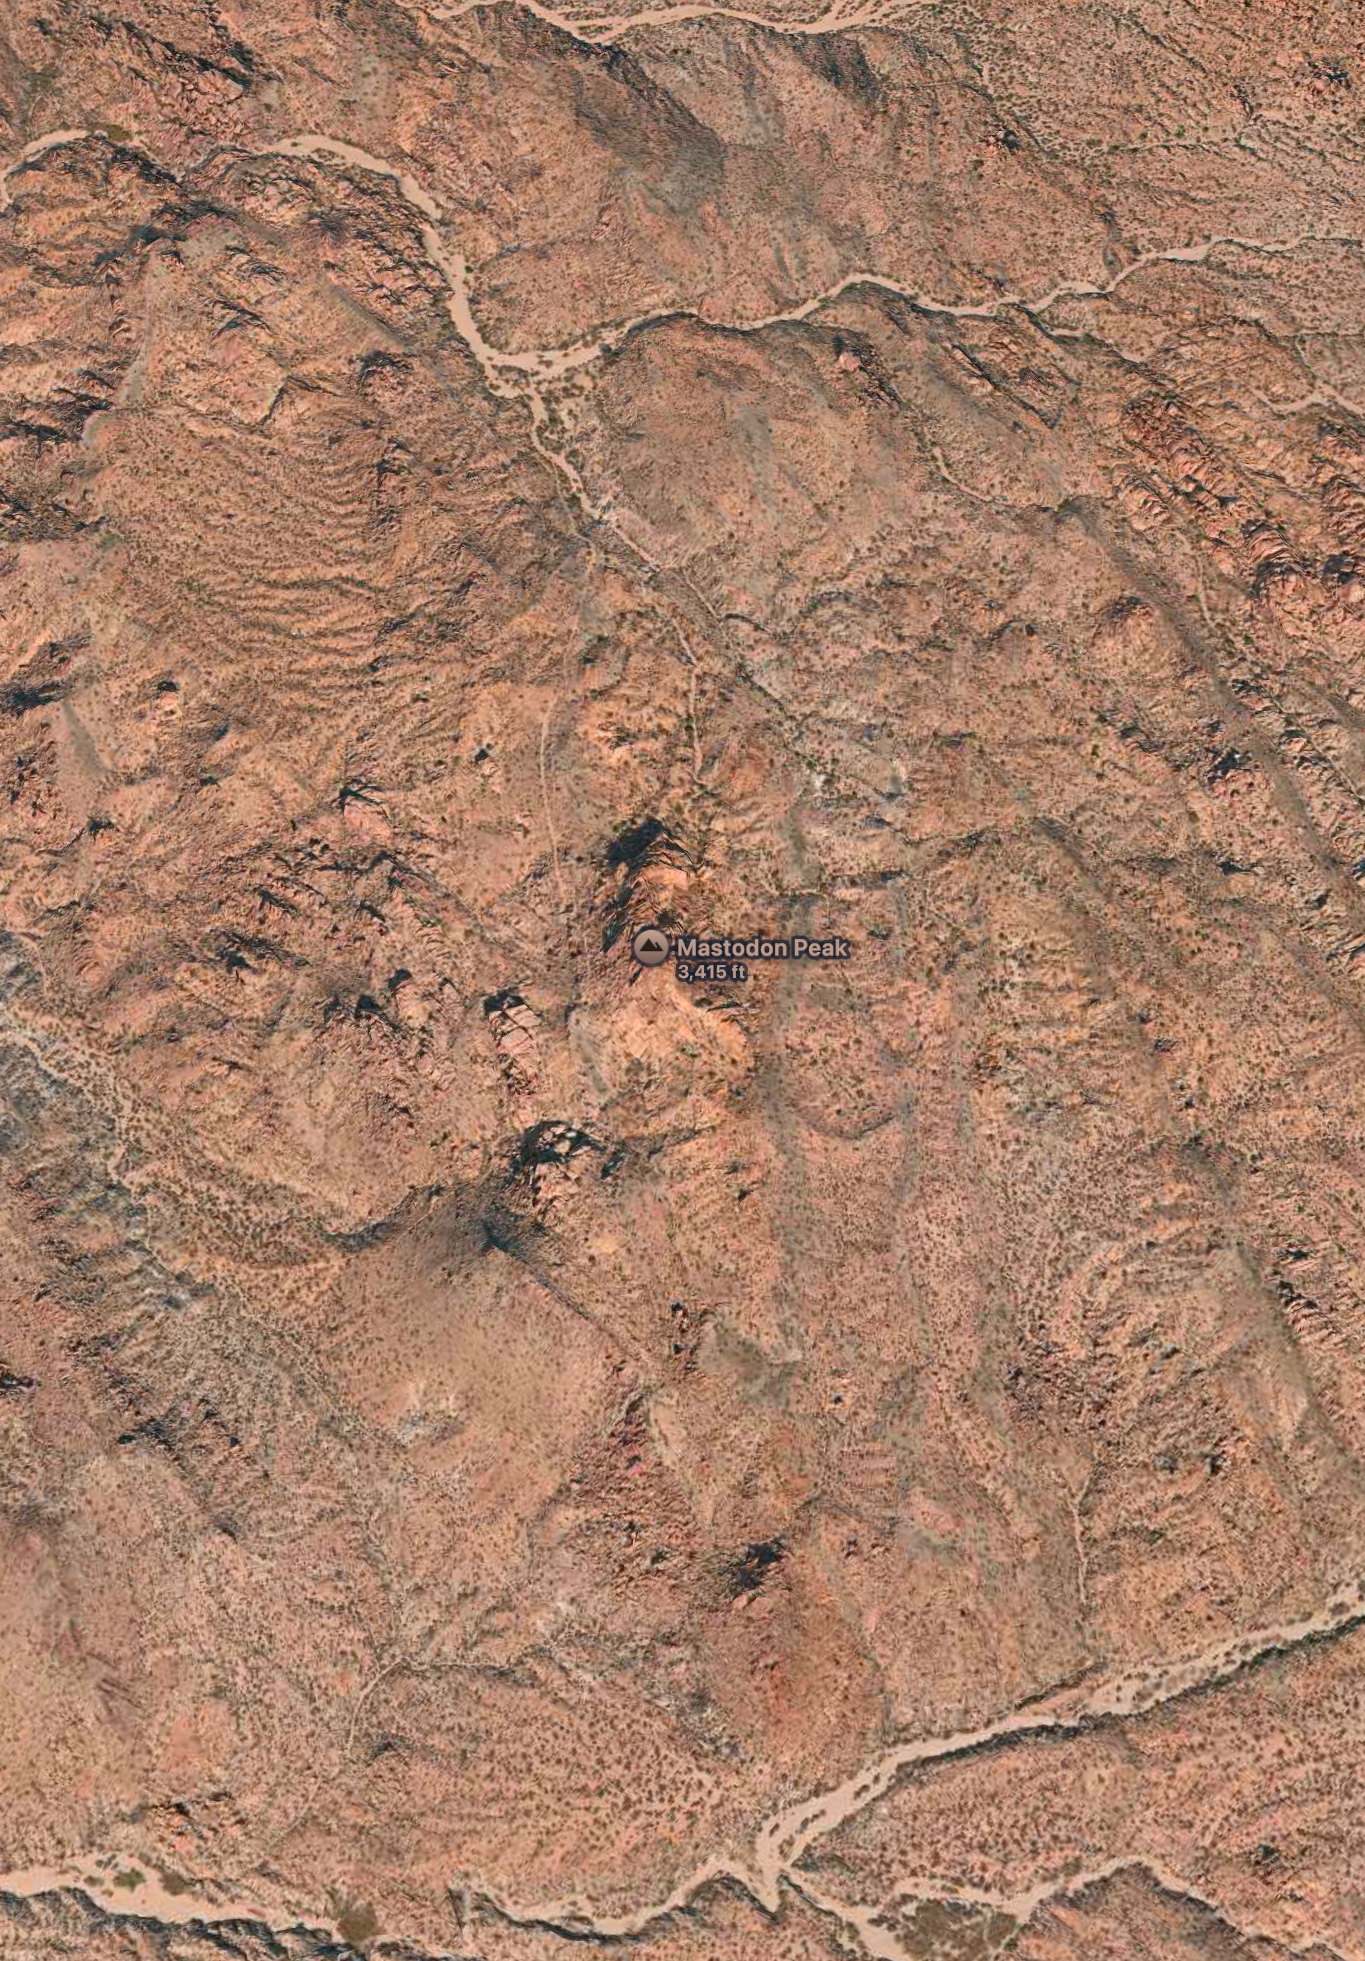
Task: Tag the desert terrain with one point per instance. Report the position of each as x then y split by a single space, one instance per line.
506 1453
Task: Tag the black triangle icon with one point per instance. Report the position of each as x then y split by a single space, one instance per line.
652 944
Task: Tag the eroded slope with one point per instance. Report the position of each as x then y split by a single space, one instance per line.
501 1446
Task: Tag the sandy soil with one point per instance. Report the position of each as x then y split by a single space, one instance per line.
501 1449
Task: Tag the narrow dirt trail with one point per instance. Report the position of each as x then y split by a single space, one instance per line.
770 1861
